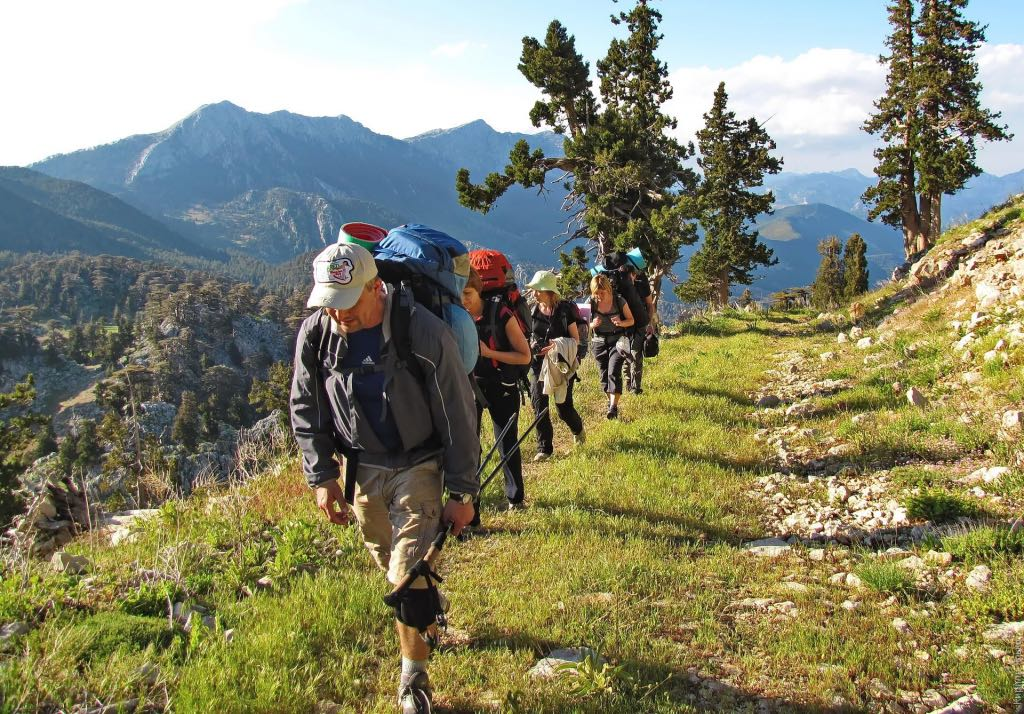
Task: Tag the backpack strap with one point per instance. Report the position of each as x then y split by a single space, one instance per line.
402 306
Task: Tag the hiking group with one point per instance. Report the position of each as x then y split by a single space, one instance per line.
412 340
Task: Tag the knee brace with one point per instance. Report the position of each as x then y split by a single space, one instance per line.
419 608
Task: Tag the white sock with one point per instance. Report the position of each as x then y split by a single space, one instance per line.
410 667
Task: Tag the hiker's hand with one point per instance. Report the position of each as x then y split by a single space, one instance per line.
594 323
616 321
331 501
650 329
485 351
544 350
458 514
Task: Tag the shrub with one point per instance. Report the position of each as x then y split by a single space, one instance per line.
886 578
148 599
101 635
939 507
983 543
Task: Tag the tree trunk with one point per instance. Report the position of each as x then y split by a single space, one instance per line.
722 287
657 273
911 224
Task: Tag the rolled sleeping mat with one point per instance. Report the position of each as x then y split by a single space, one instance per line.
364 234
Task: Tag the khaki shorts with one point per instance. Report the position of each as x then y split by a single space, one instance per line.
399 513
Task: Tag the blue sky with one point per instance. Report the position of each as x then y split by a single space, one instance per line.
92 72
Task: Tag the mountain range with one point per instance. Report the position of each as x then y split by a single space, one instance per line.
272 186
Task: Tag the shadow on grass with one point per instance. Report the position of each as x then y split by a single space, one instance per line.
651 686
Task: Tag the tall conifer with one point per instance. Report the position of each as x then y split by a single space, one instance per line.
855 267
734 158
827 290
929 117
622 170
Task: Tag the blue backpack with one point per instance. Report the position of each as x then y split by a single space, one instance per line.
434 267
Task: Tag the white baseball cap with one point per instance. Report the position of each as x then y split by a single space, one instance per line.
339 274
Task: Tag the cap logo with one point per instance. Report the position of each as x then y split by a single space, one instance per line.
340 271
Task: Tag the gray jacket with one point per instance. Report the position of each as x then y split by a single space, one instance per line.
435 415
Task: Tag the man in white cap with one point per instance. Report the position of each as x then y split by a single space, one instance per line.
391 396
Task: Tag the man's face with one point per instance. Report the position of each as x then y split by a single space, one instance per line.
367 312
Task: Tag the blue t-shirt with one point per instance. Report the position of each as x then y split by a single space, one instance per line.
364 349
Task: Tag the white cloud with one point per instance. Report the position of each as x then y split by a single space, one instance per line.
815 103
454 50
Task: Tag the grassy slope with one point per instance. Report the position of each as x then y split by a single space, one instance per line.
631 546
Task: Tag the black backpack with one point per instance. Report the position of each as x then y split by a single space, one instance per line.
493 302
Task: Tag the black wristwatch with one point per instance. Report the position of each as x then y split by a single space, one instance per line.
463 498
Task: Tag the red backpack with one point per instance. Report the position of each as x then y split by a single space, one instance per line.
499 280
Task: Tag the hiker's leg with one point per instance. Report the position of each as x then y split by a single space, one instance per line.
602 349
567 411
505 406
370 507
635 367
615 364
539 400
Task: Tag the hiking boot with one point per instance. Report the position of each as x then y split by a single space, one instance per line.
416 696
580 439
541 456
516 506
613 412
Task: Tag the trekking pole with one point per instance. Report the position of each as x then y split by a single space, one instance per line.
497 442
504 460
423 567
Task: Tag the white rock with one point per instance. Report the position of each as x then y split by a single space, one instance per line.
63 562
853 580
965 341
838 493
842 338
856 333
1005 632
796 587
939 558
552 665
148 674
14 629
816 554
768 547
912 563
859 419
849 605
901 626
864 342
1012 420
916 398
987 295
978 579
971 378
753 603
970 704
828 356
994 473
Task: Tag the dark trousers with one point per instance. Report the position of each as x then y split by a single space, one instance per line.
609 363
566 411
503 405
635 367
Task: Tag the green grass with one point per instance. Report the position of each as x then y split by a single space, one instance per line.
939 506
631 546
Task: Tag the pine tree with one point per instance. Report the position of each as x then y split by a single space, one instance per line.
855 267
185 429
827 291
18 431
622 169
929 117
734 158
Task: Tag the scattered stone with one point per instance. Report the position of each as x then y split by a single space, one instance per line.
768 547
768 401
787 608
796 587
915 397
932 699
978 579
941 559
842 338
753 603
1012 420
856 333
14 629
912 563
850 605
817 554
69 564
552 665
901 626
994 473
148 674
864 342
970 704
859 419
265 583
971 378
828 356
229 635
